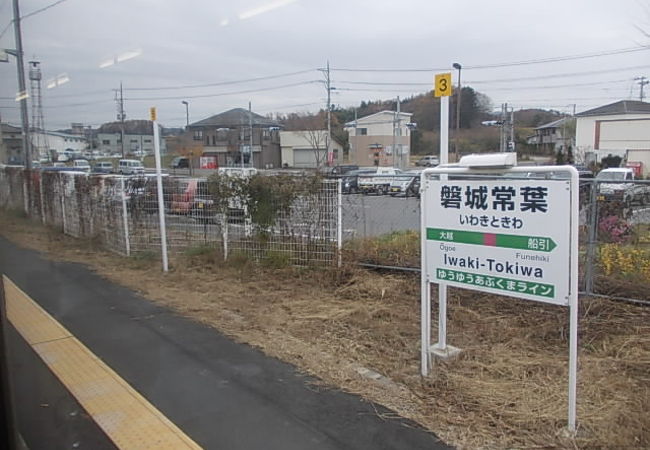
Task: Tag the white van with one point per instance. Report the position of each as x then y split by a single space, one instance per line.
81 165
130 167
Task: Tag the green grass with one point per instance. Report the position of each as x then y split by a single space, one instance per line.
165 161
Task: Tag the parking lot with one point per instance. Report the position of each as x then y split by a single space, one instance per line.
374 215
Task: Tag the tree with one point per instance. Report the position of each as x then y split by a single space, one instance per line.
317 139
313 129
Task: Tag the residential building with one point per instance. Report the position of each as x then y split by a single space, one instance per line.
554 137
620 129
307 148
227 137
45 143
138 138
11 144
373 138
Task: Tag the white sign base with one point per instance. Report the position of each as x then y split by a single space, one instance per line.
448 352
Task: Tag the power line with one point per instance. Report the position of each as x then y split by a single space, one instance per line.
33 13
247 91
5 29
80 94
507 64
71 105
368 83
559 86
502 80
562 58
221 83
275 108
559 75
379 83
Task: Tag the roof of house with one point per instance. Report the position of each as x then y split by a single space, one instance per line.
60 134
6 128
555 123
365 118
235 118
130 127
620 107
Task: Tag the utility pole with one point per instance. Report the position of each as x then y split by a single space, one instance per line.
459 91
120 114
502 136
511 142
250 124
22 94
397 131
642 82
329 111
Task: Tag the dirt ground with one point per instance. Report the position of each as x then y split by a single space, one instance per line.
508 387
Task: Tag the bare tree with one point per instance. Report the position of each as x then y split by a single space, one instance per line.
317 139
312 128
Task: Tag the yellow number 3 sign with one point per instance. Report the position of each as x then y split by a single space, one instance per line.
443 85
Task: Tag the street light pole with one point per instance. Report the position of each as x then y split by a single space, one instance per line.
22 94
458 67
187 113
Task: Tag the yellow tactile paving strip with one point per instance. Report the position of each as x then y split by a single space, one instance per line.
128 419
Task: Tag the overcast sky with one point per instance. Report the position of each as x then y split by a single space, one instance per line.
170 44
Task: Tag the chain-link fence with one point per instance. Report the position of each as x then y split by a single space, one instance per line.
381 229
122 213
379 225
615 238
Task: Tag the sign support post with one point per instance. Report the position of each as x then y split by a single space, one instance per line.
573 303
161 200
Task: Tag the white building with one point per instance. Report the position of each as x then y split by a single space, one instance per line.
49 141
620 129
373 137
138 138
307 148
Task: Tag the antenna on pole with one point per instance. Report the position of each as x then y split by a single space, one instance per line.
39 142
642 82
119 100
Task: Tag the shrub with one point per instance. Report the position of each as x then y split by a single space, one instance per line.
613 229
624 260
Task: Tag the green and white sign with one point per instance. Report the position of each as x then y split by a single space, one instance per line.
509 237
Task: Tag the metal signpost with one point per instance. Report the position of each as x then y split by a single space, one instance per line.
491 231
161 200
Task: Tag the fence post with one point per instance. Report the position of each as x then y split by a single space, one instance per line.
125 219
25 193
224 235
591 237
339 220
363 210
63 210
40 192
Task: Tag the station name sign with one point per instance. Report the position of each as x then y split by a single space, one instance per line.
508 237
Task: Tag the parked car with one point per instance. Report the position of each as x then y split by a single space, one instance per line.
378 182
616 189
428 161
183 199
81 165
203 209
407 184
337 171
350 180
103 167
130 167
180 162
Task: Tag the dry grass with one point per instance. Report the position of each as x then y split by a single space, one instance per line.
507 389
